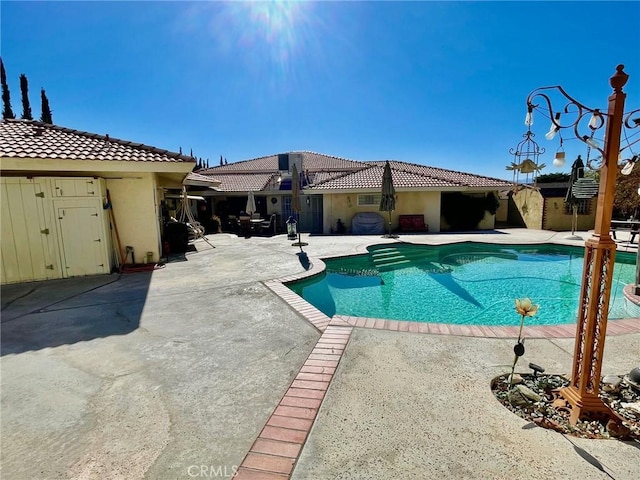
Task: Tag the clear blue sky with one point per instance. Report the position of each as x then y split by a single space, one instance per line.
435 83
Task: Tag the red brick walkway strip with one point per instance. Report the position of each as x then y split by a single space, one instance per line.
274 453
614 327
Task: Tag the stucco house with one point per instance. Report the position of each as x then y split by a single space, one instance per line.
53 190
543 207
335 188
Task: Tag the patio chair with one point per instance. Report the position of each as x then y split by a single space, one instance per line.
268 227
245 225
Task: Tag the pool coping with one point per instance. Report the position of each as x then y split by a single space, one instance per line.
275 452
321 321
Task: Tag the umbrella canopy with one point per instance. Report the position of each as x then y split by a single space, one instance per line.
251 204
577 171
295 189
388 200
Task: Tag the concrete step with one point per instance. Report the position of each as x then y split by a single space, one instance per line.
390 257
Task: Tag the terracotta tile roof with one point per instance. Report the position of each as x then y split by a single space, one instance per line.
243 182
409 175
371 177
31 139
196 179
261 173
335 173
314 162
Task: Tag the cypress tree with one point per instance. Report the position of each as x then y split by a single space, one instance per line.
24 89
7 112
46 111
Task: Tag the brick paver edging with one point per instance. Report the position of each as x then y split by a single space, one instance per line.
321 321
614 327
274 453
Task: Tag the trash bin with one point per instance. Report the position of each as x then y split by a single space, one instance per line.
177 235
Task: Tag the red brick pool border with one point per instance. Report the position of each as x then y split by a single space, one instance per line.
320 320
274 453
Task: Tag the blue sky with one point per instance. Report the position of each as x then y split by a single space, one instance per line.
435 83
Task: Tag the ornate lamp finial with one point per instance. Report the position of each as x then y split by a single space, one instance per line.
619 79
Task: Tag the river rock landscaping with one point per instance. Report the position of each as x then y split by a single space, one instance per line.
536 398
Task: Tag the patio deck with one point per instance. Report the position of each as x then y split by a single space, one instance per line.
200 369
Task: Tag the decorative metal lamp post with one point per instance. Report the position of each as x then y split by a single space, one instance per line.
582 392
636 290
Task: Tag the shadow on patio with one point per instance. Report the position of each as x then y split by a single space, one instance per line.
51 313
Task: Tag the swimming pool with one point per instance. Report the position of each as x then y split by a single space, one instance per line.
463 283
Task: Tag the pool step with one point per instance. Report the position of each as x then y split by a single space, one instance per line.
387 258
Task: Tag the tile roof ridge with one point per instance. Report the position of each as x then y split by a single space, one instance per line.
251 159
343 175
107 138
329 156
212 170
401 162
311 152
239 162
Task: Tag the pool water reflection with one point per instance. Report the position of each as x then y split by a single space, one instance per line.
463 283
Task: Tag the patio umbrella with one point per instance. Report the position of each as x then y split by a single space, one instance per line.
388 200
295 191
251 204
577 171
295 202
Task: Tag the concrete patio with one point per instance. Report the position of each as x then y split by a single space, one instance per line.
174 373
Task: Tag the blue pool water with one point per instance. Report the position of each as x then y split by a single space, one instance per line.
464 283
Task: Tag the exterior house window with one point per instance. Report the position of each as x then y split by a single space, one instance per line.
584 207
369 199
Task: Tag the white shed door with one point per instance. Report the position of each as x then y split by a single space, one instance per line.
29 250
75 187
82 248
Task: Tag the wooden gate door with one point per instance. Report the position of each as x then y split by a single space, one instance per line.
29 248
83 248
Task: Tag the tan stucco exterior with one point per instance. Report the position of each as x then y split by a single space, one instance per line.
503 210
344 206
528 203
548 213
135 188
135 209
556 219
